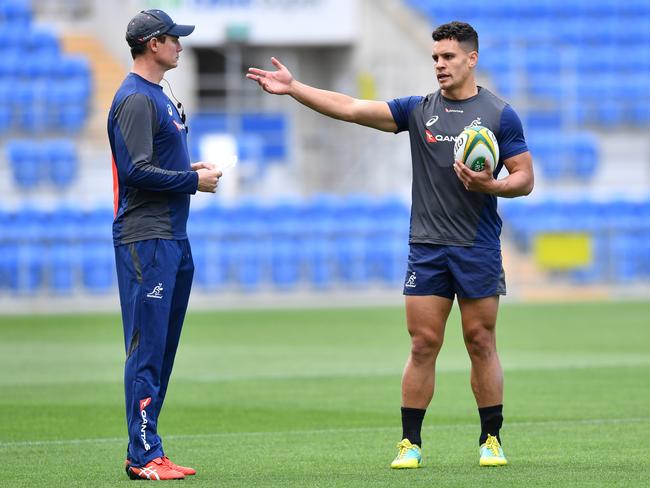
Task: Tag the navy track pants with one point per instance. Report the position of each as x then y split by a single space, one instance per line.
154 279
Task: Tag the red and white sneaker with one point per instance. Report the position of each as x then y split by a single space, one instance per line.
181 469
156 469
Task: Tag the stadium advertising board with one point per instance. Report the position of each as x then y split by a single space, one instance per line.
266 22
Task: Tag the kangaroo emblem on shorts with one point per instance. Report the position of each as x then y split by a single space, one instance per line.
156 292
410 283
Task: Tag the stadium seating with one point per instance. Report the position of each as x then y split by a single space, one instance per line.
35 162
618 231
46 90
248 247
591 41
565 156
318 244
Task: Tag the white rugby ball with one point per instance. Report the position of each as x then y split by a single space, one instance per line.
475 146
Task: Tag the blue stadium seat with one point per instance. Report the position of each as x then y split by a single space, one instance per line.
543 120
42 42
6 116
634 9
31 268
285 267
64 224
386 258
318 215
547 86
98 266
39 65
351 259
67 104
250 262
16 13
8 265
285 219
626 257
211 258
62 162
539 60
74 68
26 163
248 220
97 223
390 216
63 266
583 153
72 118
597 271
318 253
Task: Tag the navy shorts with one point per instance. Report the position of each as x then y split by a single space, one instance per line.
468 272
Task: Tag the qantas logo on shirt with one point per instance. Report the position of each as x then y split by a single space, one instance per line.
180 127
431 139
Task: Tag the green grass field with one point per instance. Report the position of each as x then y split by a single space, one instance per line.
310 398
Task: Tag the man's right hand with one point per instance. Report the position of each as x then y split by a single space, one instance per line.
208 179
273 82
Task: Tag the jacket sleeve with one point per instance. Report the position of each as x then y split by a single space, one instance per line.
134 127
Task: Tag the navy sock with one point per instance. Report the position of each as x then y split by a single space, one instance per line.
491 421
412 424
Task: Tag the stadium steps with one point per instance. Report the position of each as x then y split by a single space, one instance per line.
107 73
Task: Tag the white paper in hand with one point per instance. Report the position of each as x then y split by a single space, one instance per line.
227 164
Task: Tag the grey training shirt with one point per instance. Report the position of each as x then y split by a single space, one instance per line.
443 211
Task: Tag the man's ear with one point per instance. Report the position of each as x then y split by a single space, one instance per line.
473 59
153 45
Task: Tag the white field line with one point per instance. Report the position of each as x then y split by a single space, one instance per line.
352 430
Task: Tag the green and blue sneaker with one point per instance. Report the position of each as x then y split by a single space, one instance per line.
409 456
492 453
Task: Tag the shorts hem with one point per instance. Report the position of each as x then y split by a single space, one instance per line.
430 294
495 294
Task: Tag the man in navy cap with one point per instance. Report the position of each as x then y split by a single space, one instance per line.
152 183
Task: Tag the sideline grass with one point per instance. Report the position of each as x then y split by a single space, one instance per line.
310 398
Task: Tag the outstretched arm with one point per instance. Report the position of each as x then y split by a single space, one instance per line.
370 113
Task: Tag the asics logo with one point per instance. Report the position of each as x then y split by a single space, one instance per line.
149 473
431 121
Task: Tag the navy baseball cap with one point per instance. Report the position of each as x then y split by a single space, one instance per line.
153 23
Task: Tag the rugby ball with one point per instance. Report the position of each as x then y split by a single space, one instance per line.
475 146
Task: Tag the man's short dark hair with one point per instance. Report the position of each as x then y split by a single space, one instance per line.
459 31
140 49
